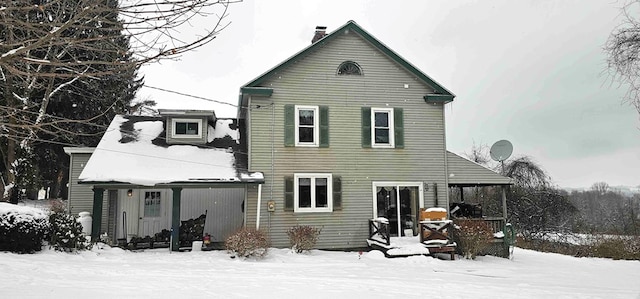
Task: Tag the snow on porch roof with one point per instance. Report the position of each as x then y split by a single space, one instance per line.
134 151
463 172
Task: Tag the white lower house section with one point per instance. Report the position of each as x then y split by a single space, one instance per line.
224 208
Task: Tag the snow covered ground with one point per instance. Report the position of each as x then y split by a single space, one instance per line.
115 273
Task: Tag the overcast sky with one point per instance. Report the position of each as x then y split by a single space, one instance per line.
531 72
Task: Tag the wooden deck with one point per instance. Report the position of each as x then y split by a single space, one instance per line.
380 239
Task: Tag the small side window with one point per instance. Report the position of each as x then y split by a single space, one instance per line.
186 128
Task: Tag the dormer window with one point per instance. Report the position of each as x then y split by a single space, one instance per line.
349 68
186 128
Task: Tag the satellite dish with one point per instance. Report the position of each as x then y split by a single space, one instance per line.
501 150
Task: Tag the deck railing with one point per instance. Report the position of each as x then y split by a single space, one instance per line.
379 231
495 223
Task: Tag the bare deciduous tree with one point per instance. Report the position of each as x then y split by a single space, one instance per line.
46 46
535 206
479 154
623 51
600 187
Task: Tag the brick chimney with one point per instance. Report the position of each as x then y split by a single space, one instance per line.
321 31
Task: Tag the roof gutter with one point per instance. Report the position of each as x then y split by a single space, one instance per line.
436 98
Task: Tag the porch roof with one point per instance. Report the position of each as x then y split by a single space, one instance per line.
466 173
134 151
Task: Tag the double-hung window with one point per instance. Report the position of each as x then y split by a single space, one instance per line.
186 128
313 192
306 126
382 134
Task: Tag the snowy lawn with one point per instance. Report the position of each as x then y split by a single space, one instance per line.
114 273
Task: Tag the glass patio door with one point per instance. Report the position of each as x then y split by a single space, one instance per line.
400 203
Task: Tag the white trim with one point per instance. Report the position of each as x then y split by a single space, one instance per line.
174 121
316 126
390 119
375 185
313 208
78 150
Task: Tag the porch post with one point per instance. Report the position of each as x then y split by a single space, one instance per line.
175 219
258 207
97 214
504 203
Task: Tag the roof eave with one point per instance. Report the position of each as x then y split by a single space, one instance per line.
201 184
438 98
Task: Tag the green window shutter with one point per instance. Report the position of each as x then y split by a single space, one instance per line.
398 127
324 126
288 194
366 126
289 125
337 193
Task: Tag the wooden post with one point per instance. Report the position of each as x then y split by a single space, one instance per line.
504 203
175 219
96 221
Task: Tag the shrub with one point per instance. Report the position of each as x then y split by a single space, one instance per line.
303 237
65 233
622 247
22 229
248 242
472 237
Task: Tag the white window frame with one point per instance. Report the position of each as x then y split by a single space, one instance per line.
160 207
391 143
313 177
175 121
316 126
397 185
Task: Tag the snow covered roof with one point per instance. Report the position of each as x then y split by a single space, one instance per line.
134 150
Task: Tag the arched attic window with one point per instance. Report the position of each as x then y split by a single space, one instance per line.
349 68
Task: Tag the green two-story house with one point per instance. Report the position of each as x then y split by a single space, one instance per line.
346 130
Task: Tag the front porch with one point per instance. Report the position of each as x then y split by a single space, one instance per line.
160 216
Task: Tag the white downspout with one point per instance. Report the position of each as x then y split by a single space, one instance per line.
259 204
446 160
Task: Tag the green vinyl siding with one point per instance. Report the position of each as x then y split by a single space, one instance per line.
80 197
312 80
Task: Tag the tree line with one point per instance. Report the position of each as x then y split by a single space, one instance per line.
536 207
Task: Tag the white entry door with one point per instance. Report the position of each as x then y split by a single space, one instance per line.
152 213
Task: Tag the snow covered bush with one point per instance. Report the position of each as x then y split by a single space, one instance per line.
303 237
65 233
472 236
22 229
248 242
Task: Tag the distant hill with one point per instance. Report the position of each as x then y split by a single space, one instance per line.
624 190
